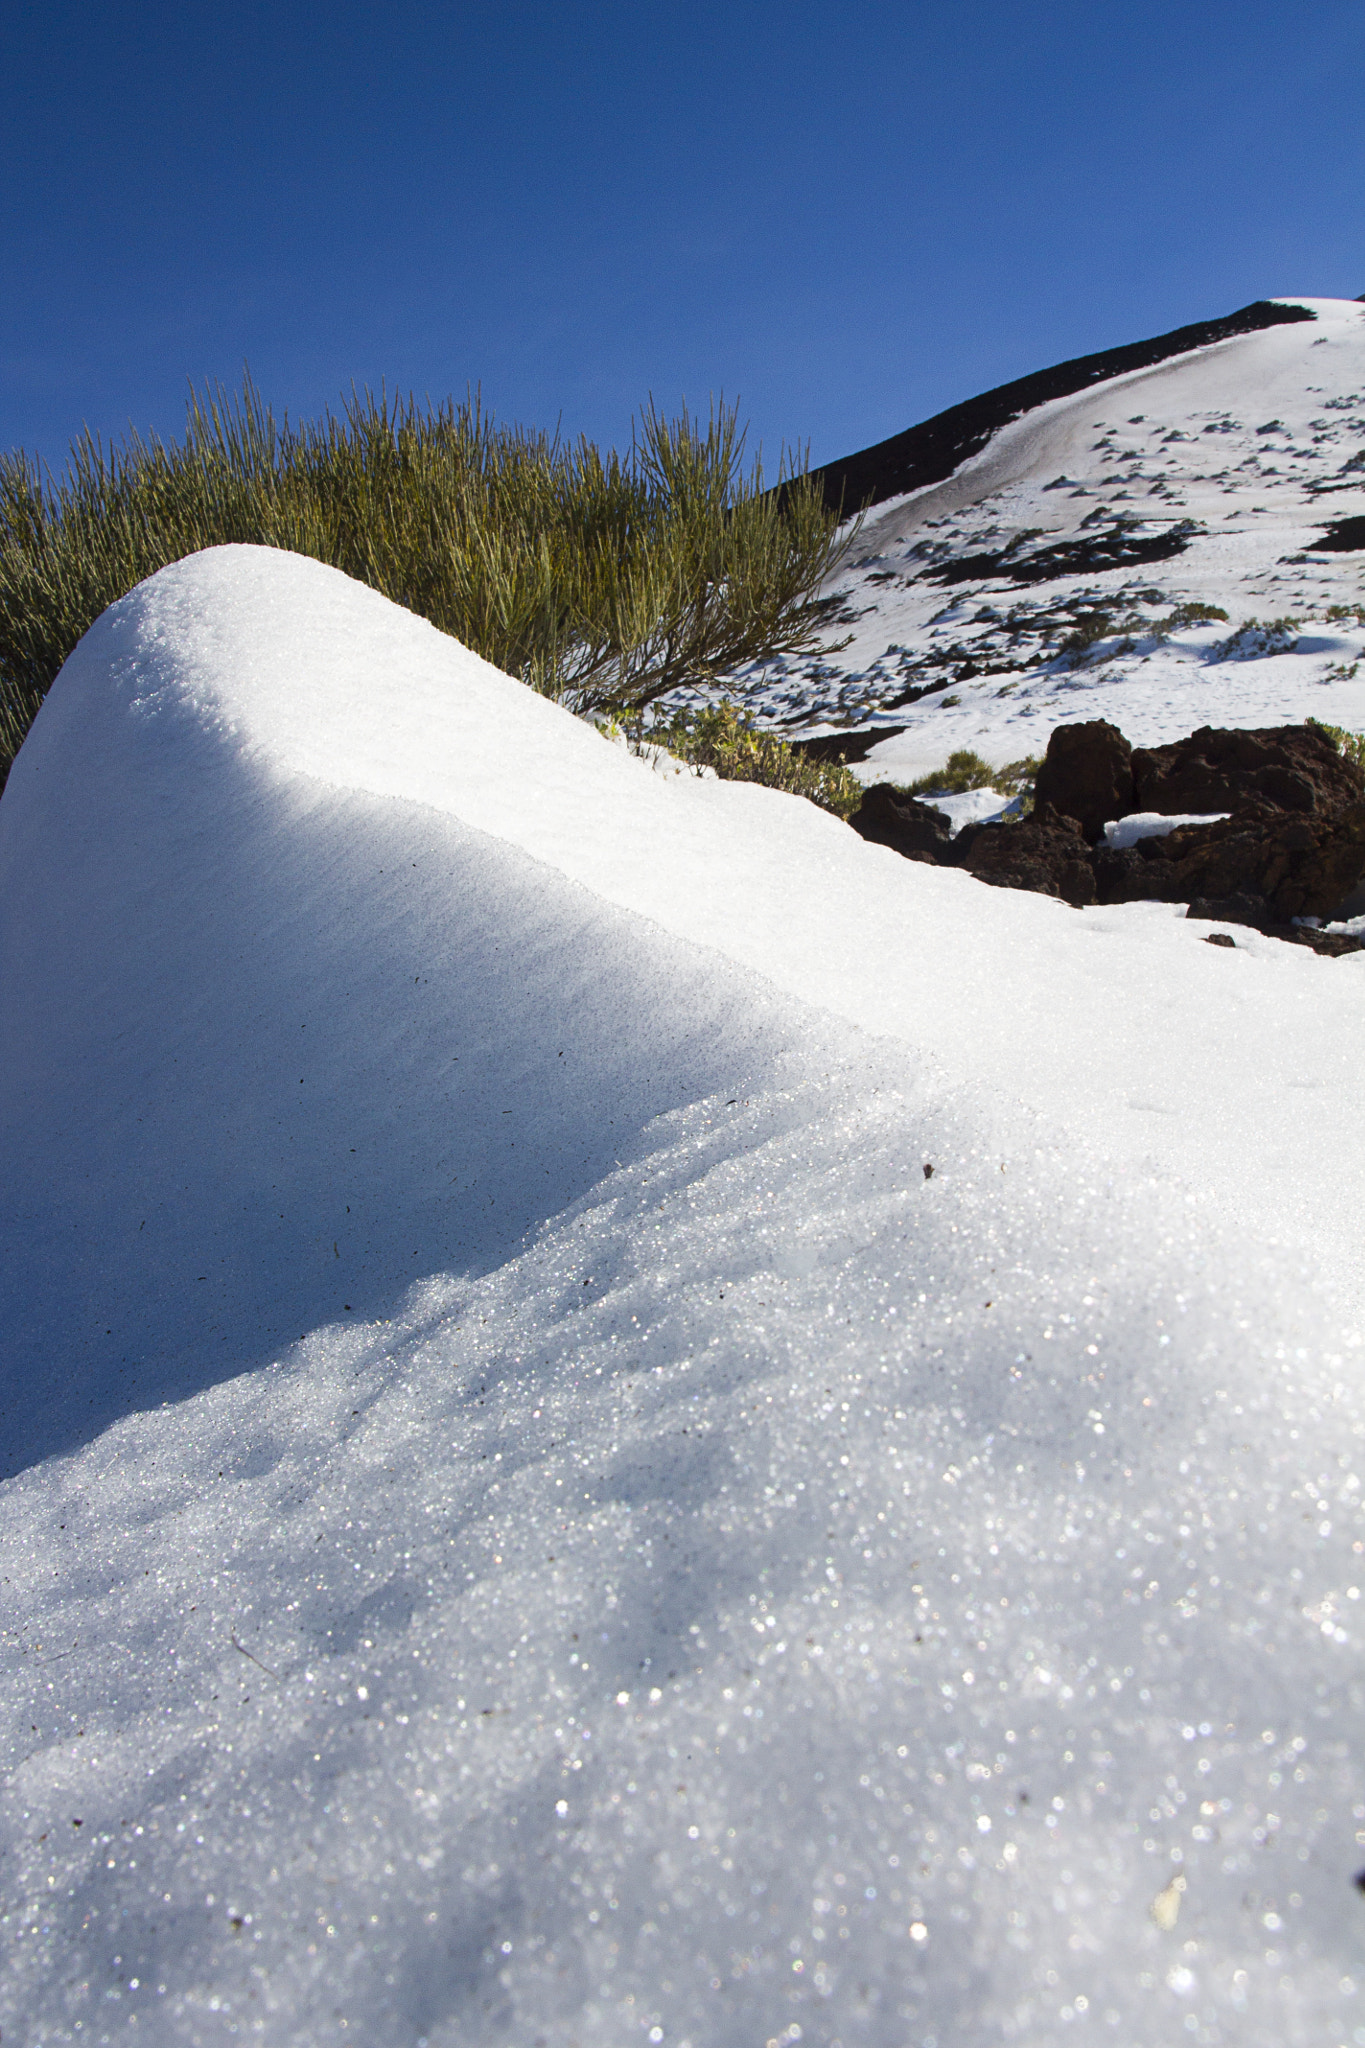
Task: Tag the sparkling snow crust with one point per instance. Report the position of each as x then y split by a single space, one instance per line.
630 1420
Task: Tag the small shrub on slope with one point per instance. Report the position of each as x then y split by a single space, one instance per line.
722 738
1351 744
1258 638
1186 615
604 580
1090 628
965 770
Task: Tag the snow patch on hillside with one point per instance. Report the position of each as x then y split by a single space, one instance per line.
1237 459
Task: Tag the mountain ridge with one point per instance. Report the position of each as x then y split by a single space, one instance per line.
929 452
1167 544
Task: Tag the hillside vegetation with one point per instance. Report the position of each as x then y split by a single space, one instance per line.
723 738
603 579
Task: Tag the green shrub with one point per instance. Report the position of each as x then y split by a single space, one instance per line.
1016 778
724 739
1089 630
965 770
1097 624
1186 615
1257 638
1351 744
604 580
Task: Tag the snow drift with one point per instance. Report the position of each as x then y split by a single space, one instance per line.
628 1419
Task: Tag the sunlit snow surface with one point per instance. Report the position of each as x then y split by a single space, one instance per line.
533 1517
1254 446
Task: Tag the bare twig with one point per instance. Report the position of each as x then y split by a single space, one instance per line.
255 1660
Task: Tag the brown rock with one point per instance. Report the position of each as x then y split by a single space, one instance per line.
1045 853
1292 846
1278 864
1293 767
1331 945
1087 775
888 817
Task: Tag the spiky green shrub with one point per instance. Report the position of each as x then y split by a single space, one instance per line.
603 579
721 737
1091 627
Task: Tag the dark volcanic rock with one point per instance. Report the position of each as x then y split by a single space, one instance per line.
1045 853
1343 537
1295 767
1292 846
1087 774
1294 843
1247 910
1275 864
1119 548
1332 945
888 817
849 746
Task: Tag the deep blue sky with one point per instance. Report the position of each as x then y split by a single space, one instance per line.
848 216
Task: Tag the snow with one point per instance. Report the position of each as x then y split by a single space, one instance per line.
1124 832
968 806
630 1420
1253 444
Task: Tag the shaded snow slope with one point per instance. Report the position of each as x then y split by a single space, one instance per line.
624 1554
1050 577
268 670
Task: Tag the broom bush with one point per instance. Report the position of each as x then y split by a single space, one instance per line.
605 580
721 737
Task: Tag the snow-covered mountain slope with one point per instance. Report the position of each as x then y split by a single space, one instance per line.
1065 570
535 1515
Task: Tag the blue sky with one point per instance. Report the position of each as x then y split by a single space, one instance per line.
846 216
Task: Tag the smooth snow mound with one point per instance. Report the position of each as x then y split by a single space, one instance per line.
536 1516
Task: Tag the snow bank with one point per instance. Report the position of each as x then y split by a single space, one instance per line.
968 806
534 1515
1122 833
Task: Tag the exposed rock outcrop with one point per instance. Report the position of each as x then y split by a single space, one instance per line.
1045 852
1087 775
1293 767
888 817
1281 863
1292 844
